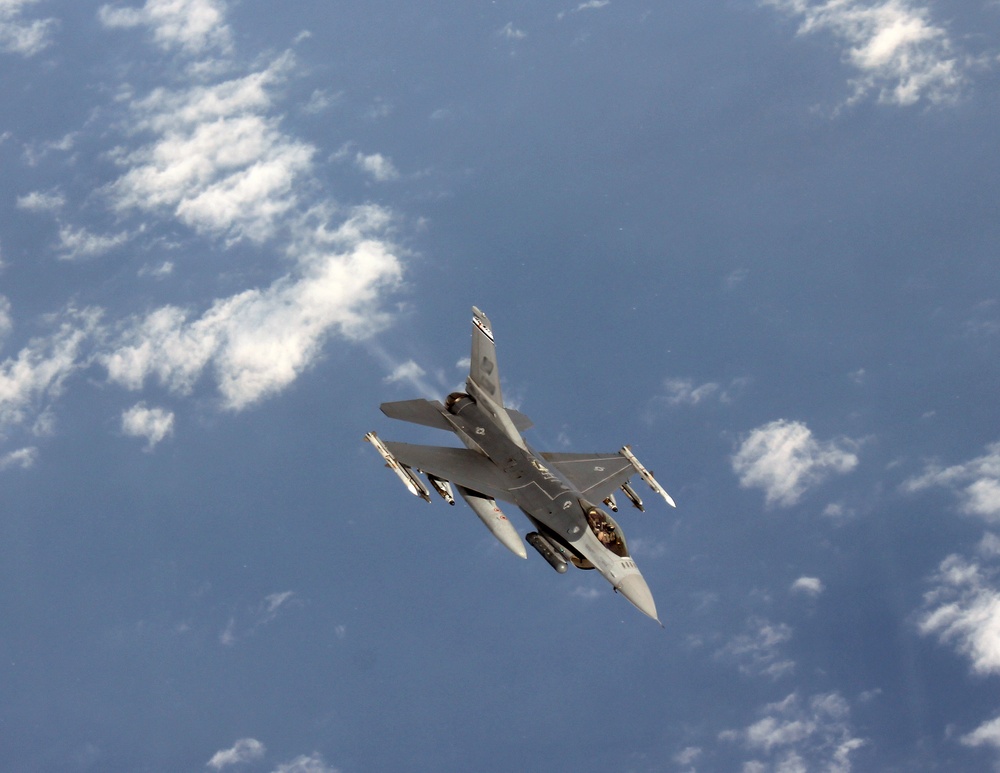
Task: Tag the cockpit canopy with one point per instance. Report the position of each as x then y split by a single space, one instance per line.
607 531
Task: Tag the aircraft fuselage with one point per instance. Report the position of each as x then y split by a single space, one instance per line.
548 498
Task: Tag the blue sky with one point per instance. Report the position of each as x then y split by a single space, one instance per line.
756 240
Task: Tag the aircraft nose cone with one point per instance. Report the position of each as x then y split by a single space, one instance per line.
634 588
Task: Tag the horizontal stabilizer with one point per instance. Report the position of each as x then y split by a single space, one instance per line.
519 420
417 411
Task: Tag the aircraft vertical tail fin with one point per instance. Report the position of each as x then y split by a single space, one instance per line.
484 378
483 368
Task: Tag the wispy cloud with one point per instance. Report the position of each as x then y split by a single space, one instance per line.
976 483
682 391
79 243
987 734
408 371
23 458
759 651
34 377
153 424
194 26
963 610
259 341
590 5
19 35
41 201
244 750
785 460
799 735
380 168
510 32
685 391
312 763
218 161
204 155
249 621
900 55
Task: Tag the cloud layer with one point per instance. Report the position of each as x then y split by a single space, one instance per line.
205 154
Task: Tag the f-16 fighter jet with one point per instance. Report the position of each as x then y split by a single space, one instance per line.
556 491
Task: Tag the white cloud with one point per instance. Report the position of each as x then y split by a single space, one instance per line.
153 424
162 271
976 483
194 26
18 36
785 460
251 619
6 323
899 53
679 392
312 763
989 545
378 166
590 5
759 651
809 586
320 101
77 243
511 32
244 750
964 610
735 278
35 151
987 734
260 340
209 152
407 371
218 162
268 609
682 391
40 201
838 512
23 458
36 374
797 735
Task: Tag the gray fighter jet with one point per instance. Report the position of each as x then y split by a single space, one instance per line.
556 491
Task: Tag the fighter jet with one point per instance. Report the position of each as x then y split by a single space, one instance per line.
556 491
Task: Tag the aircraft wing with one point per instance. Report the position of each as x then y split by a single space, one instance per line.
596 475
460 466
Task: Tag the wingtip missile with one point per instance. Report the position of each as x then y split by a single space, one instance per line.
647 475
405 474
